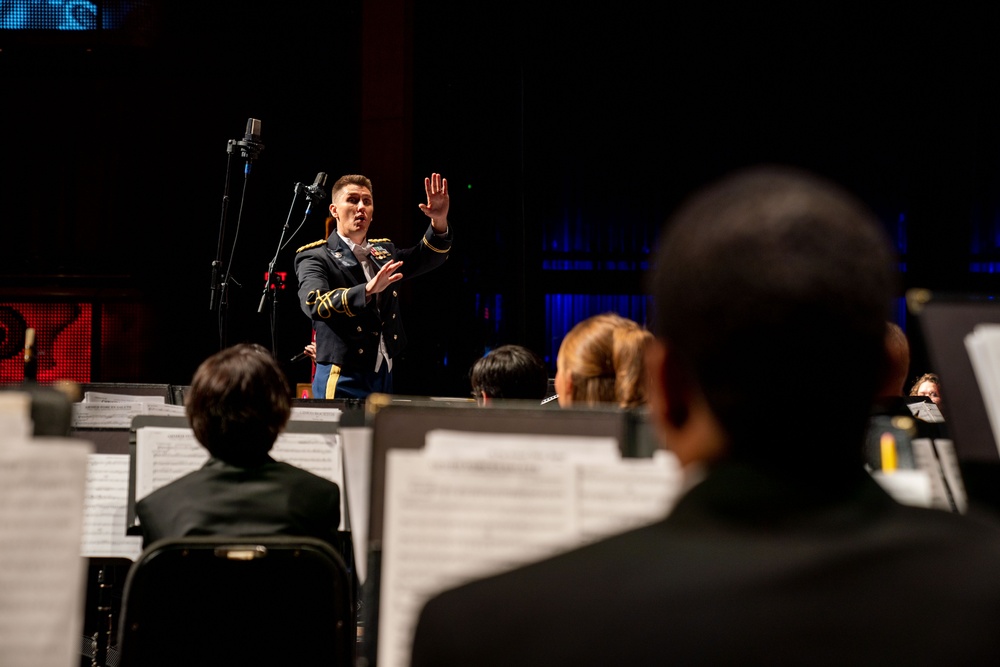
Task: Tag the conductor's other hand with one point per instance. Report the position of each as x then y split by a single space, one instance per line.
386 276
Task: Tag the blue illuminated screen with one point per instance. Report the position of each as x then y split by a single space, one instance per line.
67 14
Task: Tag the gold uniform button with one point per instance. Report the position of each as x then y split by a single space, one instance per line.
361 351
394 336
394 316
394 293
359 329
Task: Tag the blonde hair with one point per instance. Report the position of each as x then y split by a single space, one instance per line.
604 358
926 377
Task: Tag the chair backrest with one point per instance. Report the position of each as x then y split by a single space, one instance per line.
239 601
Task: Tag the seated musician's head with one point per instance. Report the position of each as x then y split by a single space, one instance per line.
601 361
929 385
897 362
509 372
765 284
238 403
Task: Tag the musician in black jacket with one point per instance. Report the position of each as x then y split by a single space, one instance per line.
346 286
783 551
238 403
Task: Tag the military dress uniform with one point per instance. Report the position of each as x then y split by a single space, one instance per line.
350 331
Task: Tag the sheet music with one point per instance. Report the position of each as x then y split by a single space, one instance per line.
304 414
928 412
521 447
98 397
449 521
105 509
163 454
909 487
319 453
41 572
15 414
626 494
357 444
163 410
937 458
983 347
952 472
110 414
473 504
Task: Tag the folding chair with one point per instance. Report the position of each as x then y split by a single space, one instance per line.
238 601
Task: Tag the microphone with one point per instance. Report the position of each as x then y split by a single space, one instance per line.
315 192
253 131
251 145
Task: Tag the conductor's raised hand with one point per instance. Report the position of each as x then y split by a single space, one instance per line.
386 276
438 202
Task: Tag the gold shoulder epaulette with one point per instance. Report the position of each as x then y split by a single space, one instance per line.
314 244
379 240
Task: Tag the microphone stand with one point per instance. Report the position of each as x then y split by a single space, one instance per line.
299 189
249 150
272 284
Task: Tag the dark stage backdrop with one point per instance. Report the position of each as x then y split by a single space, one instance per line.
113 170
579 130
567 135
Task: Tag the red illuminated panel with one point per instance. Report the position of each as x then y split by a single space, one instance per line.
62 340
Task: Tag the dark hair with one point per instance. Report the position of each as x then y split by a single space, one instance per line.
897 361
510 371
764 284
238 403
350 179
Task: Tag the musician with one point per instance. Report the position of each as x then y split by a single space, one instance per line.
783 551
238 403
509 372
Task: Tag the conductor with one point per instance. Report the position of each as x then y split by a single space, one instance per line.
346 287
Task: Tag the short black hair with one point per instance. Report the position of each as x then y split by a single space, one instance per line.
510 371
765 284
238 403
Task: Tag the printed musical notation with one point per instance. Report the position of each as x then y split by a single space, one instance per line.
105 509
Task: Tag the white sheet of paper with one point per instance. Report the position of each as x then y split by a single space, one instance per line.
15 414
928 412
357 444
952 472
105 509
111 414
449 521
983 348
12 426
521 447
164 454
41 572
319 453
938 460
909 487
119 414
98 397
163 409
626 494
303 414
